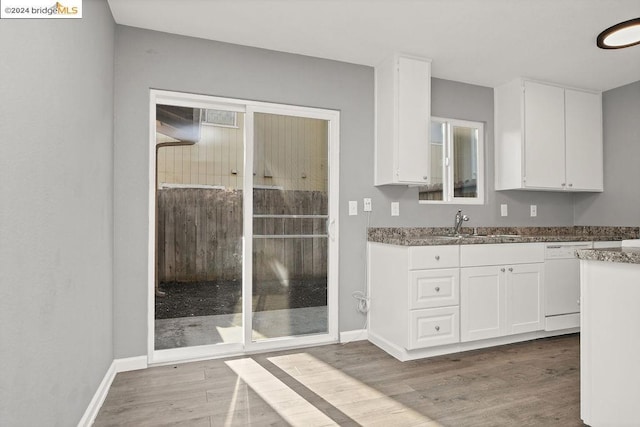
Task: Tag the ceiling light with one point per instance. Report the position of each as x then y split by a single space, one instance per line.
621 35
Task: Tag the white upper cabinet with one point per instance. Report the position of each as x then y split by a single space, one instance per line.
583 130
403 114
544 136
547 138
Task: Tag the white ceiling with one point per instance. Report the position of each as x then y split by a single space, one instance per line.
484 42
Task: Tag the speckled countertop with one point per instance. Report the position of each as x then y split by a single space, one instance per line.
430 236
624 255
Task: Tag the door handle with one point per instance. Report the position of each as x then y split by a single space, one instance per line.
330 229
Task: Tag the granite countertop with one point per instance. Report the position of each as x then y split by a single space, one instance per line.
432 236
623 255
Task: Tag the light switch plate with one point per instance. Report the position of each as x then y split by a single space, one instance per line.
395 208
367 205
503 210
534 210
353 207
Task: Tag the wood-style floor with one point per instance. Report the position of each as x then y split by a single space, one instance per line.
535 383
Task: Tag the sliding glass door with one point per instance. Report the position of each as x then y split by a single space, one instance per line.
244 200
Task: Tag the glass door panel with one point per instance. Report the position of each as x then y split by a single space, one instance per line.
199 226
290 236
434 190
465 161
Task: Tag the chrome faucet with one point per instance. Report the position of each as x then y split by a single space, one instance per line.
458 223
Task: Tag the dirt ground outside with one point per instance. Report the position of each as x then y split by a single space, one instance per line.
225 297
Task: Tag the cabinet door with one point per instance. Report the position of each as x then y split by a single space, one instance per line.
583 112
544 136
482 303
525 309
414 116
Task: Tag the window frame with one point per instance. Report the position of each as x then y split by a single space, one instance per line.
447 165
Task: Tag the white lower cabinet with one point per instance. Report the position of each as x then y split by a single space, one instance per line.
428 300
415 295
501 299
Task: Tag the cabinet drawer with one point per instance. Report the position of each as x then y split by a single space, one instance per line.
434 288
433 326
444 256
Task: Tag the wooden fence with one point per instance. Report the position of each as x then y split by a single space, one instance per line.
200 235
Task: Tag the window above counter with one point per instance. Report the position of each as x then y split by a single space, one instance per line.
456 173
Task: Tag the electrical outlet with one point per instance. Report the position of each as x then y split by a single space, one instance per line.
503 210
395 208
353 207
367 205
534 210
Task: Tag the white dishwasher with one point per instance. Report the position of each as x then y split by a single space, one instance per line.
562 285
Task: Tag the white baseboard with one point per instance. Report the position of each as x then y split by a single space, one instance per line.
130 364
118 365
98 398
356 335
392 349
402 354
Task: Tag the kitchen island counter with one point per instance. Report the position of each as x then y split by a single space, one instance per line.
610 336
619 255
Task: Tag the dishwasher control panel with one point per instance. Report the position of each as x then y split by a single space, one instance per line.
564 250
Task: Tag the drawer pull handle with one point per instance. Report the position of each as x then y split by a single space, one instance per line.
502 269
437 257
510 269
437 328
437 288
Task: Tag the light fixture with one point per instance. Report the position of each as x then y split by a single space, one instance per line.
621 35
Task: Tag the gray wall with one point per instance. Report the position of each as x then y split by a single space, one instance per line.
56 172
619 204
146 59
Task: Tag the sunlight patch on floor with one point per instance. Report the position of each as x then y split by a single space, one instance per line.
361 403
232 405
289 405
